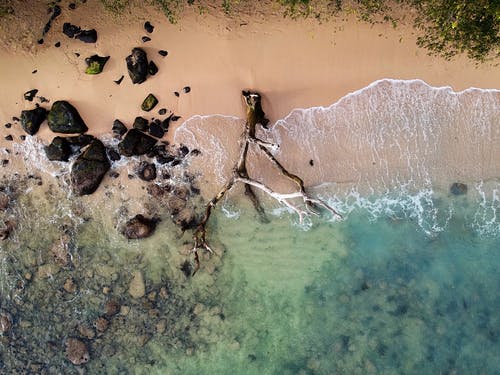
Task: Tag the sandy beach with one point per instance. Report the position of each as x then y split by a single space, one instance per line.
293 63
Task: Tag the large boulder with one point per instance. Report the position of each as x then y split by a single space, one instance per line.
137 65
64 118
89 169
32 119
139 227
136 142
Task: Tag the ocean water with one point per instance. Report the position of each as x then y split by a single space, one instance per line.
406 283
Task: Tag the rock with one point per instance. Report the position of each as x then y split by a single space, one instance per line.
162 52
112 307
137 65
139 227
32 119
186 89
136 143
29 95
87 36
58 150
149 103
86 331
458 188
145 39
64 118
57 44
70 285
5 322
76 351
80 141
185 219
89 169
176 93
148 27
174 118
152 68
4 201
119 80
137 287
9 137
119 127
183 151
186 268
140 123
147 172
113 155
162 111
71 30
101 324
95 64
156 130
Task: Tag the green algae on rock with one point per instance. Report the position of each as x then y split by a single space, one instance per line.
95 64
64 118
32 119
149 103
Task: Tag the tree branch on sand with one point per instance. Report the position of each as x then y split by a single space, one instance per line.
255 116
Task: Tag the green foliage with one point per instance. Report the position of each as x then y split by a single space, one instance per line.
115 6
451 27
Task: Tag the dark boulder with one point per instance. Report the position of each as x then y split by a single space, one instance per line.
71 30
64 118
140 123
136 143
113 155
137 65
119 127
58 150
458 188
95 64
29 95
80 141
147 171
32 119
89 169
149 103
139 227
87 36
156 130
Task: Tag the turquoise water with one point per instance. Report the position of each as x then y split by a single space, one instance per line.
355 297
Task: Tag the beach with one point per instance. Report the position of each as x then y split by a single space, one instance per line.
403 145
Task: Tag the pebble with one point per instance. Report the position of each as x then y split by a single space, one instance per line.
101 324
5 322
70 285
148 27
163 52
137 288
86 331
112 307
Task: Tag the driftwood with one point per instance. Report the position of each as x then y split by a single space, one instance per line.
255 115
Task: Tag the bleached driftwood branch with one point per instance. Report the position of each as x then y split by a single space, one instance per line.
255 115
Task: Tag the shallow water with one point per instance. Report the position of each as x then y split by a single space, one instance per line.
406 283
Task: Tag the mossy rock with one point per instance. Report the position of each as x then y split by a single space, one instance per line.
32 119
95 64
149 103
64 118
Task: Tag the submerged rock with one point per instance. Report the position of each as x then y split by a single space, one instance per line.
89 169
137 65
458 188
136 143
64 118
95 64
149 103
139 227
76 351
137 287
147 171
58 150
32 119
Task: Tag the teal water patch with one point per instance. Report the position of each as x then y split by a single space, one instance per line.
366 295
